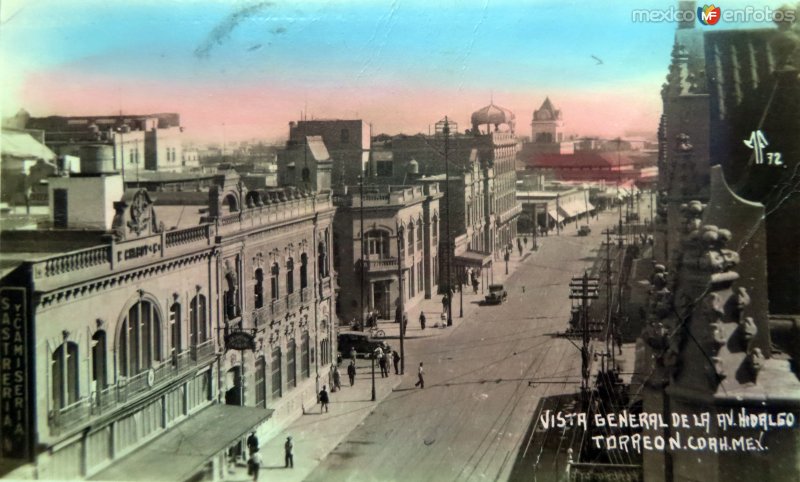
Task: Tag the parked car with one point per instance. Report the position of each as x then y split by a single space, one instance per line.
364 344
497 294
584 230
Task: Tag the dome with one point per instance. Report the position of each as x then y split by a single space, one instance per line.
492 114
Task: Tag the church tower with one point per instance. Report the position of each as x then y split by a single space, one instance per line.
547 125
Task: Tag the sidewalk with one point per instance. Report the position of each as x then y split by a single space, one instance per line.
316 434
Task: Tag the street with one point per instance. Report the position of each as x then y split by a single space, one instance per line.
472 419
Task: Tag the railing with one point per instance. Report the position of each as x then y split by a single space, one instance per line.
186 236
203 351
278 307
381 264
261 316
74 261
71 414
229 219
293 301
114 396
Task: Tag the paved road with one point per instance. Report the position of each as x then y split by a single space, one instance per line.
472 421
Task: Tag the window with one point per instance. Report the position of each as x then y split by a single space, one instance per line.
303 271
99 361
140 339
290 276
261 382
305 361
291 363
410 236
276 372
419 235
377 243
435 227
345 136
411 283
276 271
384 169
259 289
64 364
174 331
322 259
198 326
420 277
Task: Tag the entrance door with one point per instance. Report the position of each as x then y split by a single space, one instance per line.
234 394
382 301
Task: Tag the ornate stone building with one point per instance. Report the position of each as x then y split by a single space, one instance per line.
125 338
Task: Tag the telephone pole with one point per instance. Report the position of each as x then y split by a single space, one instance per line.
584 288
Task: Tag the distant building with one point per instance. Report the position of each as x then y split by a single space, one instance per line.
24 163
386 210
151 142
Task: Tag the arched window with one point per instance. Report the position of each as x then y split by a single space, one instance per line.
275 365
259 289
274 285
419 235
303 271
261 382
410 237
140 339
377 243
198 326
174 331
99 361
291 363
435 227
322 260
230 203
290 276
305 360
64 364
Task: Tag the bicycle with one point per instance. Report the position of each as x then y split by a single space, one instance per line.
376 332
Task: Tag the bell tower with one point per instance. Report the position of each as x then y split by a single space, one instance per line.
547 124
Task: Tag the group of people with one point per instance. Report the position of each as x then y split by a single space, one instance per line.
255 461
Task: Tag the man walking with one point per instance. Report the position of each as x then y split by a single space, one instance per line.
254 465
420 373
337 385
382 363
396 360
351 372
323 399
289 455
252 443
422 319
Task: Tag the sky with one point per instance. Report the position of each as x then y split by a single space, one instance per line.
238 70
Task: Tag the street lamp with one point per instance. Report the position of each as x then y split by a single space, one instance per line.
401 305
506 256
372 357
446 132
461 277
363 266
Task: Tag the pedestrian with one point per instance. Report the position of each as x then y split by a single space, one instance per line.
519 246
353 354
420 372
475 285
444 304
288 449
351 372
323 399
254 465
382 363
422 319
398 314
252 443
396 360
337 382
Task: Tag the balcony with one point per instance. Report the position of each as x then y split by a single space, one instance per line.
380 265
278 308
293 301
262 316
307 295
127 389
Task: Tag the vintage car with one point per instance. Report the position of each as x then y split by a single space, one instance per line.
364 344
497 294
584 230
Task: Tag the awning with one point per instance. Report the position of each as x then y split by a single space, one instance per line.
554 214
590 206
183 450
473 258
570 209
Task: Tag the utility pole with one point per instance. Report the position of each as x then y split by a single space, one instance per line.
363 264
609 289
446 132
401 304
558 225
584 288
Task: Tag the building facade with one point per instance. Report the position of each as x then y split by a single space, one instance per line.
129 337
401 234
